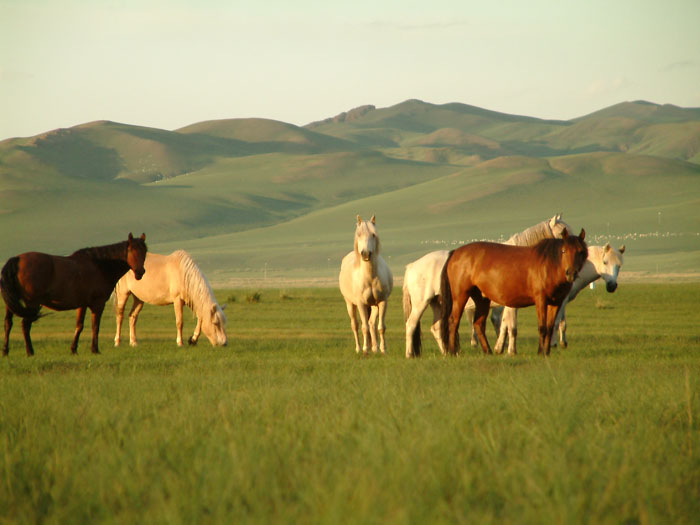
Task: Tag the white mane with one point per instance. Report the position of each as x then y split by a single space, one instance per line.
196 290
534 234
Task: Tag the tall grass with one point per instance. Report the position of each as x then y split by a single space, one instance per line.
287 424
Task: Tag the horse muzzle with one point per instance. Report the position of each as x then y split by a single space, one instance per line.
611 287
139 274
366 255
571 275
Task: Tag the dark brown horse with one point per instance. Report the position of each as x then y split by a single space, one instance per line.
82 280
515 276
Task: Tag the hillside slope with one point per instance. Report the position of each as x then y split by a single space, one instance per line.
245 192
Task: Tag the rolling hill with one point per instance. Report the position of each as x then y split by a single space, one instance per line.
246 194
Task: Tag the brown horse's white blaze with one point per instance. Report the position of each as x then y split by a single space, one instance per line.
513 276
366 282
80 281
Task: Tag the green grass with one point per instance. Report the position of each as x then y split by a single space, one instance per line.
287 424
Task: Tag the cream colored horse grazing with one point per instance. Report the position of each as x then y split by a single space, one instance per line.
172 279
366 282
603 262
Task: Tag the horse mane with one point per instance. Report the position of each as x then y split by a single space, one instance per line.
549 250
196 290
532 235
365 226
107 252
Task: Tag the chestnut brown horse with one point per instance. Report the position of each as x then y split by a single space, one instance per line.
514 276
82 280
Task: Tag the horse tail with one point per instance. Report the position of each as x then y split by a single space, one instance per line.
407 308
11 291
445 303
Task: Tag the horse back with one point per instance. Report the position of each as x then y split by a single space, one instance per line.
60 283
161 283
501 272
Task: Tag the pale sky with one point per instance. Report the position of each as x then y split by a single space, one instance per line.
167 64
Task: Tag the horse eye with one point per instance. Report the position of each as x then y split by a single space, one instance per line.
564 250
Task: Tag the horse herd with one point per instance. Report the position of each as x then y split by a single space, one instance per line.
545 265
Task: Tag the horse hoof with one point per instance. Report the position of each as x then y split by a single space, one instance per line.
191 342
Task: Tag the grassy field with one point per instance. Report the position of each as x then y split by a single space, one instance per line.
287 424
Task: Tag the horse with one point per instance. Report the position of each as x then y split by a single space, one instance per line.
171 279
514 276
366 282
80 281
421 285
603 262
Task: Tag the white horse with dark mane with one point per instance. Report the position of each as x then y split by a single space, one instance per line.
603 262
171 279
366 282
421 285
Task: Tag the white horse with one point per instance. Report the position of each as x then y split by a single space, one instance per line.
172 279
366 282
421 284
603 262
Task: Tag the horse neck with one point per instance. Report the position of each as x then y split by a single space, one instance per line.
532 235
368 268
196 290
108 252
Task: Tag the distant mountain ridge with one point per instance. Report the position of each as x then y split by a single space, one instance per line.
231 176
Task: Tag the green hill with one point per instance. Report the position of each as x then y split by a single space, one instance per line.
246 194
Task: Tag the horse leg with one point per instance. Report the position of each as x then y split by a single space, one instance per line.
541 309
364 319
372 325
413 324
454 319
552 311
481 313
80 321
197 330
8 327
26 329
512 327
508 331
352 313
119 305
503 331
469 312
178 303
96 318
381 326
561 323
435 327
133 317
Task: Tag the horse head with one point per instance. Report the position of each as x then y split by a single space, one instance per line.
558 227
366 240
574 253
136 254
608 267
214 325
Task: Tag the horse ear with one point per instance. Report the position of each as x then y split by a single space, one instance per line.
224 306
606 248
564 233
359 220
131 237
143 236
582 235
373 220
213 309
622 249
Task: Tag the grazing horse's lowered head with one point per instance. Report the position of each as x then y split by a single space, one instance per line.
366 239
